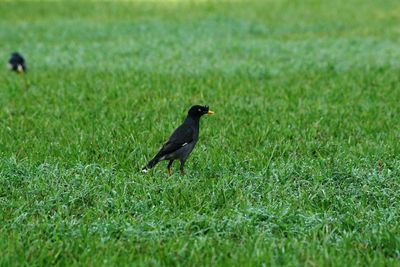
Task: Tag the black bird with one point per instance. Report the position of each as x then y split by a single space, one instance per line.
182 141
17 63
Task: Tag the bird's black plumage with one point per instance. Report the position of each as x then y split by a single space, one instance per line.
182 141
17 63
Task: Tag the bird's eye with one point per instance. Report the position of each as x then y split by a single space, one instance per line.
199 110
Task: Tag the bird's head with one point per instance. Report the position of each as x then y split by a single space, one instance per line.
17 56
197 111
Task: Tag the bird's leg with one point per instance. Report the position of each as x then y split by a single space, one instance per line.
169 167
182 167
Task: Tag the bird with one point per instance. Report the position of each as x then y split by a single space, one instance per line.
17 63
182 141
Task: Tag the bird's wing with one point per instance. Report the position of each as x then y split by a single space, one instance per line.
182 136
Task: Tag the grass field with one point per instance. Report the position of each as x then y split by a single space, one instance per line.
299 166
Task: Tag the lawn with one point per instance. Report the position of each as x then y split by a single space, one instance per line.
300 165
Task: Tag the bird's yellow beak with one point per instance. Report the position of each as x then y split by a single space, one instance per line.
210 112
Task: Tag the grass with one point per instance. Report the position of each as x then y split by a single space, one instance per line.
299 166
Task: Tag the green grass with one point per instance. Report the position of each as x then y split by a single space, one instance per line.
299 166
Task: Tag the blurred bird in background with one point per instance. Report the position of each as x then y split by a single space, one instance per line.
17 63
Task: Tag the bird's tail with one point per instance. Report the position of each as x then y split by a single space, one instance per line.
150 165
